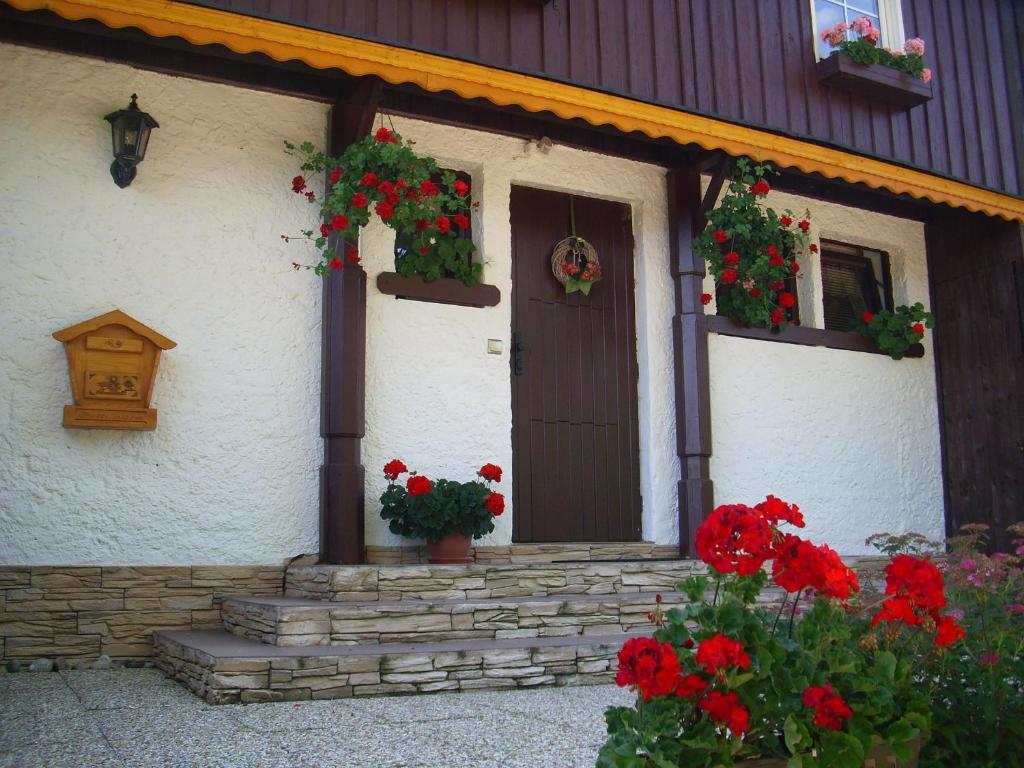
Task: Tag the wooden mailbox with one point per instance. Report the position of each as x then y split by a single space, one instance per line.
112 360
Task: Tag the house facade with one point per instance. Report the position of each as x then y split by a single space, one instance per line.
621 418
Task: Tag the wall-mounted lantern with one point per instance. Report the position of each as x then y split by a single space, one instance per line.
113 361
129 131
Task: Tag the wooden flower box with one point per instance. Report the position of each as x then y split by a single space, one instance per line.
446 290
874 81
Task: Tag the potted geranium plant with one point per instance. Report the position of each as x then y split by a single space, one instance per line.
817 681
752 251
895 331
447 514
381 175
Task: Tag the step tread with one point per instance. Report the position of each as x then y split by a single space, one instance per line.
223 644
277 601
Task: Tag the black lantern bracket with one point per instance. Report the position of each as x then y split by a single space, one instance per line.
129 134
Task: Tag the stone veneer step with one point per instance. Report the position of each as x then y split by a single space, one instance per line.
225 669
367 583
288 621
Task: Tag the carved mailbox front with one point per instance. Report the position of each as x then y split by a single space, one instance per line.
112 360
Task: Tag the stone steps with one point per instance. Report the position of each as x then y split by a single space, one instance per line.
298 622
225 669
476 581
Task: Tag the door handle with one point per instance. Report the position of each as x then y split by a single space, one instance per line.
518 348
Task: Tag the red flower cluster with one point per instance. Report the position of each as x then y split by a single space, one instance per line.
720 653
394 468
461 188
829 708
799 564
495 504
383 135
761 188
691 685
490 472
735 539
705 298
418 485
725 708
720 236
651 666
918 594
298 184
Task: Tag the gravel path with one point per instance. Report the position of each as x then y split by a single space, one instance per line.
134 718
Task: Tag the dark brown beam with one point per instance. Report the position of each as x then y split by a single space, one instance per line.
343 372
690 343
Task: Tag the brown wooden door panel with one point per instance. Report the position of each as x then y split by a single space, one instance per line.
979 345
576 463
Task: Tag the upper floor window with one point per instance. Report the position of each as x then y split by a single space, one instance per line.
854 280
886 15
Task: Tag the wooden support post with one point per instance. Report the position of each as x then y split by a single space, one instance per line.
343 371
690 342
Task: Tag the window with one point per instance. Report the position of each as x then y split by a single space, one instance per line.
886 15
404 243
854 280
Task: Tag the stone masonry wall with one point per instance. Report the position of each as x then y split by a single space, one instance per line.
78 613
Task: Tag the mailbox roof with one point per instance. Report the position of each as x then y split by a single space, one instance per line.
115 317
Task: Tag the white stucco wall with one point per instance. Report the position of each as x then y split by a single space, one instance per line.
191 249
851 437
436 399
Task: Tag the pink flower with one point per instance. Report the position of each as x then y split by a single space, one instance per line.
957 614
1019 550
914 45
968 564
1015 608
835 35
988 658
926 75
861 25
977 579
872 35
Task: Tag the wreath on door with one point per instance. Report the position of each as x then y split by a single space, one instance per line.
574 261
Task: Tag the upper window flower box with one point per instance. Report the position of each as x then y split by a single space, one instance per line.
875 81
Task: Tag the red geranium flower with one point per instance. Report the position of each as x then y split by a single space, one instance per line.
428 188
776 261
298 184
771 250
495 504
897 609
424 250
461 221
734 538
867 317
732 258
705 298
796 565
721 652
787 300
755 293
311 195
948 632
786 220
725 708
794 267
422 225
651 666
335 263
829 708
339 222
490 472
359 200
386 187
918 328
325 229
728 276
336 175
394 468
804 225
384 135
777 317
814 247
418 485
369 179
777 511
443 224
720 236
761 188
461 188
777 286
353 256
384 210
691 685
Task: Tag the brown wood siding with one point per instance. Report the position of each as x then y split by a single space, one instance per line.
751 61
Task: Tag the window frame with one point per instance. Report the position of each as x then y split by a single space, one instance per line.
858 256
890 17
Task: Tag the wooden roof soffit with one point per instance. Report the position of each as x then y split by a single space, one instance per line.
324 50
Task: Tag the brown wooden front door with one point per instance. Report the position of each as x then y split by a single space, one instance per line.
576 458
977 274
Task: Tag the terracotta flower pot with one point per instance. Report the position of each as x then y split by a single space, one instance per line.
453 549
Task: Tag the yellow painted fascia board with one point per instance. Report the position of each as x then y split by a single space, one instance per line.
324 50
